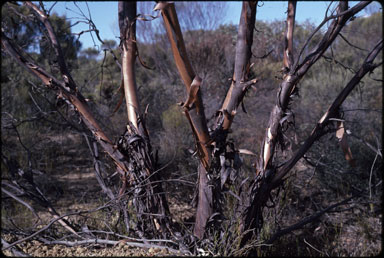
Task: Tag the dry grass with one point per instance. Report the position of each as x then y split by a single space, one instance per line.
353 231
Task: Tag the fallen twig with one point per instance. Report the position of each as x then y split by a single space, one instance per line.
50 224
14 250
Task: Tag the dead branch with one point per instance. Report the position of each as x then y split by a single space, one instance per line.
96 163
23 180
367 67
15 250
29 207
287 87
52 222
40 231
305 221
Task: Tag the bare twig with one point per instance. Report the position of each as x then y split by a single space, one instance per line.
370 146
15 250
318 131
305 241
96 164
20 201
370 176
51 223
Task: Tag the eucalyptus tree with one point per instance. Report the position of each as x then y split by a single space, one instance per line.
219 173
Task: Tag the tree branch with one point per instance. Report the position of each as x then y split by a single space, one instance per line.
75 98
304 221
287 87
243 56
288 52
42 16
127 25
195 113
367 66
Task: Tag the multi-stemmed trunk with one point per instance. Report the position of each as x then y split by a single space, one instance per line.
133 153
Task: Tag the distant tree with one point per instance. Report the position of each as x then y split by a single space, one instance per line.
90 53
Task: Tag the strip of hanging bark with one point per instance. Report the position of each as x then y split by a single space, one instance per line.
192 95
297 71
127 25
145 185
243 55
203 153
340 134
195 114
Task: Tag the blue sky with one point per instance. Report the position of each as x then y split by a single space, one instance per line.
104 15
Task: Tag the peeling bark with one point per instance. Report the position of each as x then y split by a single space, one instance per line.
243 55
127 25
194 111
272 178
297 71
187 74
268 176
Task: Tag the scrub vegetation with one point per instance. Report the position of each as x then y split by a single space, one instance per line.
190 137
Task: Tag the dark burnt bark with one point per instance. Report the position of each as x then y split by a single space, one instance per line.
141 181
151 202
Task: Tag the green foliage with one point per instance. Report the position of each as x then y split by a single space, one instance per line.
177 137
69 44
20 26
